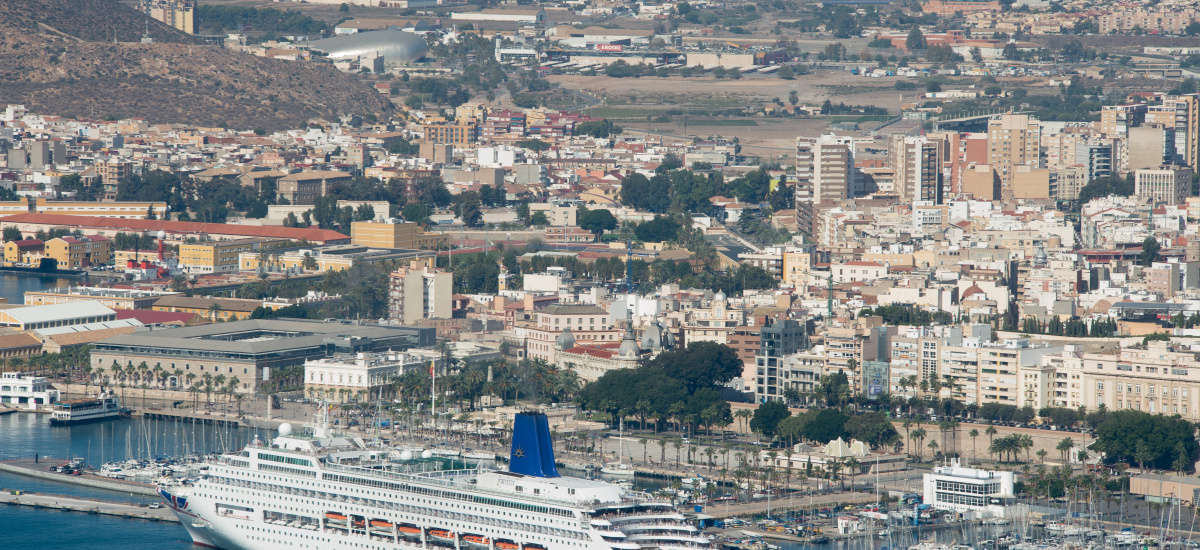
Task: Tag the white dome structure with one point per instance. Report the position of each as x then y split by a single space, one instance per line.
406 455
426 454
396 47
285 429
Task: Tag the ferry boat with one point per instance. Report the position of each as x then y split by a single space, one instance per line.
318 491
106 406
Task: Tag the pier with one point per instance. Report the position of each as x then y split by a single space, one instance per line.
219 420
41 470
89 506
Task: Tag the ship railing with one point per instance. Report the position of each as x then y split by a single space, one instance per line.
453 485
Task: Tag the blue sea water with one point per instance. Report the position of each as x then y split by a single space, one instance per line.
13 286
22 435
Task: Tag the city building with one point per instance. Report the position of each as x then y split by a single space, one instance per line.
462 134
560 326
25 251
1167 184
174 231
362 377
23 391
394 233
972 492
248 350
419 292
220 256
916 162
825 169
178 14
79 252
1013 140
129 210
777 340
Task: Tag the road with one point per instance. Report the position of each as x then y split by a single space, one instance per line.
730 242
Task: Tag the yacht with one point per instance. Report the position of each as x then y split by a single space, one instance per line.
89 409
318 491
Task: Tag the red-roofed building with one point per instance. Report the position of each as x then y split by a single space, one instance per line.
161 318
591 361
175 232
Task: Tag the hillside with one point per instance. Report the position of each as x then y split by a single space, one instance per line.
56 66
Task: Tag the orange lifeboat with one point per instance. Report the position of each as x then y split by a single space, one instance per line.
335 516
476 540
409 531
505 545
381 524
442 535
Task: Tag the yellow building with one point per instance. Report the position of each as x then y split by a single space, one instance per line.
395 234
180 14
27 251
127 210
79 252
218 256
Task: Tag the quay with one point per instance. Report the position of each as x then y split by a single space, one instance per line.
86 505
40 470
218 419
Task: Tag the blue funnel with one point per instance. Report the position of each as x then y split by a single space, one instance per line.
532 449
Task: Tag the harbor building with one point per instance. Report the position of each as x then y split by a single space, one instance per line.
362 376
27 391
115 298
56 315
975 493
248 350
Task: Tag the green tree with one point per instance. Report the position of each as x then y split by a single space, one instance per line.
1150 249
767 418
12 234
915 40
598 221
786 73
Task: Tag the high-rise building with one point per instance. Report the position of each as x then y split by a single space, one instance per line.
1013 140
1183 112
1150 146
1116 120
917 162
1167 184
178 14
825 168
777 340
419 292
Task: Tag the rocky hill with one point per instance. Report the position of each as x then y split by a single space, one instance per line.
58 57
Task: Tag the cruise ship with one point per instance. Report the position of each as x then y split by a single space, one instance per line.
89 409
316 491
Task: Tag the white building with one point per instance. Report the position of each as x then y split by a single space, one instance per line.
29 391
972 492
361 377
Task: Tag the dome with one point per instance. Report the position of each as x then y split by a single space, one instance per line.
651 338
973 290
565 341
668 337
1039 257
629 347
285 429
406 455
395 46
720 297
426 454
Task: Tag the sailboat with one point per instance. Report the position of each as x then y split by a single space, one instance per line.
619 468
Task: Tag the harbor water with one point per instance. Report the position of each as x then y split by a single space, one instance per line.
24 435
13 286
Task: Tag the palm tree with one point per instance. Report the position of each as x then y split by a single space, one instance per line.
1064 447
991 433
214 311
974 434
933 447
1042 455
918 435
852 466
677 443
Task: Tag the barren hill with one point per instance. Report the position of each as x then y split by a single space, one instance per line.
57 57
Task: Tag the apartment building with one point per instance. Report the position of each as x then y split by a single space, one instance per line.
850 347
111 172
559 326
1166 184
452 134
305 187
1013 140
419 292
916 162
777 340
825 169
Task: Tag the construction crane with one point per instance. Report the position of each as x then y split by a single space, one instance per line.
629 253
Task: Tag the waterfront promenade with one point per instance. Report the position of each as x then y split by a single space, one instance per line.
41 470
85 505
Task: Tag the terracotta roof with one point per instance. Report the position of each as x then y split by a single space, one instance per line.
19 340
150 317
192 228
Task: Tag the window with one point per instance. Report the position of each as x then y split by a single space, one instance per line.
1100 386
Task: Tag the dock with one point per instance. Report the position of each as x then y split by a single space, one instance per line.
41 470
85 505
219 419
